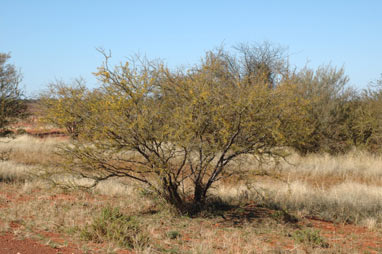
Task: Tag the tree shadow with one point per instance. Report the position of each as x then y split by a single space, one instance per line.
237 215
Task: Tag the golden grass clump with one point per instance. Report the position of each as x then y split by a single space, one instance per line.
30 150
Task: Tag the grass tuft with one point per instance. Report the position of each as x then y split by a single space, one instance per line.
112 225
310 237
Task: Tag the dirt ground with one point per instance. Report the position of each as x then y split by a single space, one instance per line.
9 244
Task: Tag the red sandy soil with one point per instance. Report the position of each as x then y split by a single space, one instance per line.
341 236
347 237
10 245
350 236
344 237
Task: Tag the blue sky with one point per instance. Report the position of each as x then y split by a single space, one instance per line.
55 39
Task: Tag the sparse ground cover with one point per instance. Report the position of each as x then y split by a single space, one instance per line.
313 204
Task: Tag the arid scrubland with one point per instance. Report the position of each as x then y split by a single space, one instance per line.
272 213
241 153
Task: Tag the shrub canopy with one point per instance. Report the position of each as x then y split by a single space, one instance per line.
11 104
180 131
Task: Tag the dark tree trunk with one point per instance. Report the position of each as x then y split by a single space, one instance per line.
199 194
171 194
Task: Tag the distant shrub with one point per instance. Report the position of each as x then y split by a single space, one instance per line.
6 133
12 105
173 234
21 132
66 106
326 112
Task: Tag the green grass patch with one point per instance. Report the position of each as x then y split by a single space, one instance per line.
310 237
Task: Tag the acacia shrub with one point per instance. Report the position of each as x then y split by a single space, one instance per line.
68 106
327 110
178 132
368 115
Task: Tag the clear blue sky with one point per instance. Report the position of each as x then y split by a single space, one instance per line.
55 39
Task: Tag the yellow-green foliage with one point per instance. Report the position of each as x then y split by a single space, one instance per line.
67 106
326 110
368 114
178 132
168 128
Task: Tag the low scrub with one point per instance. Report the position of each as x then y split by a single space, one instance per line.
310 237
113 226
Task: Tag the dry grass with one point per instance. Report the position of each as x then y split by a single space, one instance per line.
325 170
347 202
346 188
31 151
11 171
305 188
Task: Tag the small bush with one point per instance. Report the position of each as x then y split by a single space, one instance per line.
173 234
6 133
311 237
21 132
5 155
112 225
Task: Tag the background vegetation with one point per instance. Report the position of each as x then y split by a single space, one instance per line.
177 132
11 103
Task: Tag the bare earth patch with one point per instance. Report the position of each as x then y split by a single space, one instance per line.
9 244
